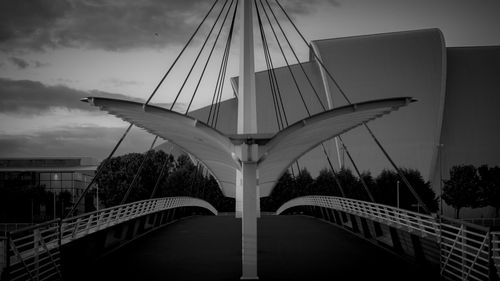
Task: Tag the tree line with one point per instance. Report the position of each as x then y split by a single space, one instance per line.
472 187
468 186
183 178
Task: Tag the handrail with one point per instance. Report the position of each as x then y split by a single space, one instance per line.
464 247
413 221
37 246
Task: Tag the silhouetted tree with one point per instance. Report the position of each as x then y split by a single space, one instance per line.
462 189
386 190
119 173
489 181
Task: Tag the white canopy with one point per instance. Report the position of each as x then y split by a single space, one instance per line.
217 151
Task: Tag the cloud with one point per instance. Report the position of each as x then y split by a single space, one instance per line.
299 7
38 64
31 97
107 24
19 62
23 64
101 24
74 141
116 82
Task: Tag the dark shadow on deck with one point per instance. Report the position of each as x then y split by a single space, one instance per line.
290 248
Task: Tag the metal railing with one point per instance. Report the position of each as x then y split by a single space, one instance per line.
495 249
410 221
33 253
466 252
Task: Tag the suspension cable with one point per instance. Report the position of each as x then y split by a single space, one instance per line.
98 173
138 172
296 57
401 175
315 55
219 84
179 55
199 53
277 112
274 81
286 60
300 93
209 56
160 177
363 182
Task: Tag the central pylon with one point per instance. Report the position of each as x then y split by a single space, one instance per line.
247 152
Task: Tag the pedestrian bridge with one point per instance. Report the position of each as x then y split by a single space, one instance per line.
309 238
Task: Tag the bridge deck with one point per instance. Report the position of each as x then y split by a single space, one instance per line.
290 248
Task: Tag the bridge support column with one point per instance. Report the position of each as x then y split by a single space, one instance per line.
248 152
239 195
249 222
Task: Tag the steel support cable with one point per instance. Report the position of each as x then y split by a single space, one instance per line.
216 88
277 113
284 57
179 55
159 178
401 175
199 54
138 172
101 168
223 70
300 93
314 53
296 57
335 175
275 80
215 96
320 102
98 172
363 182
210 55
221 86
322 105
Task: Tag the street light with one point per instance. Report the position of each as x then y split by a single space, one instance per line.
397 194
440 155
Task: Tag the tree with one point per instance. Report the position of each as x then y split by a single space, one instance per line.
462 189
386 190
489 181
324 184
119 173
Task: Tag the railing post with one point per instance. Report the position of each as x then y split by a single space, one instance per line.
36 247
5 273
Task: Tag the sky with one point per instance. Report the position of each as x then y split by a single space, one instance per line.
55 52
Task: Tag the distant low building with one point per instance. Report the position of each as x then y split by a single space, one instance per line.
55 174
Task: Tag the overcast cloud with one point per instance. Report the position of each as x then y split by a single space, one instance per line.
75 141
31 97
106 24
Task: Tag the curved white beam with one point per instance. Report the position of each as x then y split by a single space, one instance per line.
216 150
205 143
297 139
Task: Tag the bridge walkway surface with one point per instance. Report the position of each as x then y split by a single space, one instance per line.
289 248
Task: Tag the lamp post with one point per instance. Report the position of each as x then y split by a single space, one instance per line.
440 155
397 194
